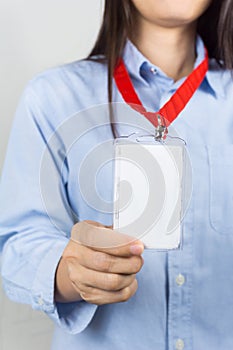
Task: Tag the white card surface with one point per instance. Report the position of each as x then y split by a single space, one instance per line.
148 193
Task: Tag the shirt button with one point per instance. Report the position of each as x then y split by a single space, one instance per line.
179 344
180 280
153 70
40 301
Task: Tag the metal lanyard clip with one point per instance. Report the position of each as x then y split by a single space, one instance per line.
161 130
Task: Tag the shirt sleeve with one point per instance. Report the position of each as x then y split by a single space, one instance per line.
32 241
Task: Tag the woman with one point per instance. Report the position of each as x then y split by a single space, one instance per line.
184 298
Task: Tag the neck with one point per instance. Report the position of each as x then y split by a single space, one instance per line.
171 49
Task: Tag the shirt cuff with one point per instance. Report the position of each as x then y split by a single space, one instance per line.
72 317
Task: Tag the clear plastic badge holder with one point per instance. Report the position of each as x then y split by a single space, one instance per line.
149 190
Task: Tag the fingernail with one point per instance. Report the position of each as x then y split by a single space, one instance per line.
136 249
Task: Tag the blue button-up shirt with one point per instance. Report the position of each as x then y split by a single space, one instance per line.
184 299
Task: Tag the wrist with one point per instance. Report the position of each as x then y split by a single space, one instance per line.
64 291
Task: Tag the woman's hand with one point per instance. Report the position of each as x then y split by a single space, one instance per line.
98 265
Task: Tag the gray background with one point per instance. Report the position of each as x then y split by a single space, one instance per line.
35 35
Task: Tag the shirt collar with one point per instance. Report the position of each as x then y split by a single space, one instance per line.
134 60
216 76
214 71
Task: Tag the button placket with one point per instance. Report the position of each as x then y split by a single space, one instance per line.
180 294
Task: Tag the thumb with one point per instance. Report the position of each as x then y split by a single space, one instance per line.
98 224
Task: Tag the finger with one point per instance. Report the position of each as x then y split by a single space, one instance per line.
100 297
103 262
106 240
101 280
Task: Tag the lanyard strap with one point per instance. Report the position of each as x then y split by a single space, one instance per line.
170 111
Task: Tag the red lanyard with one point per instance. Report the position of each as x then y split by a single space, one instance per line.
170 111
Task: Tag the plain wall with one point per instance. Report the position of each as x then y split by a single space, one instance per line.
35 35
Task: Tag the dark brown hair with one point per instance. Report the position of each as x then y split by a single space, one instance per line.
215 27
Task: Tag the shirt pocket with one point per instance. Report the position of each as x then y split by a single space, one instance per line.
221 188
